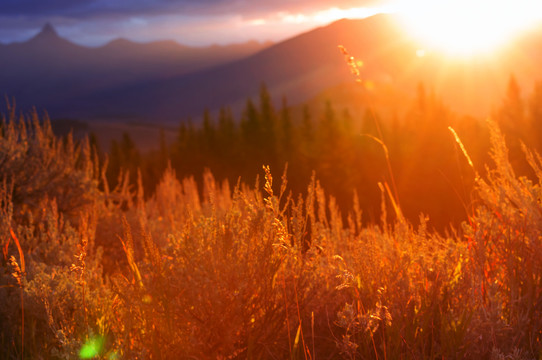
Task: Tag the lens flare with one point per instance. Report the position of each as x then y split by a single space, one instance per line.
92 348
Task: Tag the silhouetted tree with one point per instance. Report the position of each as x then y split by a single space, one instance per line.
515 126
535 117
285 133
268 118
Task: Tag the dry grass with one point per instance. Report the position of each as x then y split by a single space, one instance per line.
229 273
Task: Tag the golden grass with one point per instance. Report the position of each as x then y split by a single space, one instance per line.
231 273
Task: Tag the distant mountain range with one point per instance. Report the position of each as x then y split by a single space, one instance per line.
50 72
166 82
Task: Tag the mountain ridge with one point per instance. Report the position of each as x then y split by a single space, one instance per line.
47 32
47 70
166 88
298 68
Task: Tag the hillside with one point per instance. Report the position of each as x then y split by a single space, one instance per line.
49 71
298 68
165 82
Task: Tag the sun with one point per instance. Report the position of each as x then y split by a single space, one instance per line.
467 27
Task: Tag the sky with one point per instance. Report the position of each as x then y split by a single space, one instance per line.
190 22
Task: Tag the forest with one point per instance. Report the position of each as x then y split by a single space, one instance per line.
276 236
415 154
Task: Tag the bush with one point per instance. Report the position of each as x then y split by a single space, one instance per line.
38 165
239 273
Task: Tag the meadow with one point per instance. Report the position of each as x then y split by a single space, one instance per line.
219 269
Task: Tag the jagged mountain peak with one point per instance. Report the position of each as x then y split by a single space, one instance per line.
47 33
48 29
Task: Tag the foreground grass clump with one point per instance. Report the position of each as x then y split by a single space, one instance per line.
223 272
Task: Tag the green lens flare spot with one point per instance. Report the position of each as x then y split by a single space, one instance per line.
91 348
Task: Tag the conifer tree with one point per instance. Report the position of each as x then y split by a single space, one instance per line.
286 144
535 117
207 140
130 156
267 141
251 134
514 124
227 145
164 150
115 163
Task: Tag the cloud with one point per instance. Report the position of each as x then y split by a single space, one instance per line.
97 8
29 8
94 22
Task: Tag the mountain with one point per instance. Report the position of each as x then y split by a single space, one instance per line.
48 70
165 82
297 68
305 65
47 35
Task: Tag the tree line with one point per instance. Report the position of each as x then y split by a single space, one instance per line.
412 159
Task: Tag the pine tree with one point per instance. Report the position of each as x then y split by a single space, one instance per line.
535 117
115 164
286 145
130 157
207 140
164 157
268 136
228 147
511 114
251 135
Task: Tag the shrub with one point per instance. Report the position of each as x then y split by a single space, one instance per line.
237 273
38 165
